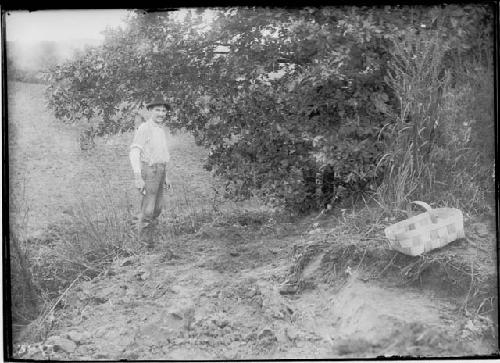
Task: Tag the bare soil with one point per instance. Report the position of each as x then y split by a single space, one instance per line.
221 300
218 293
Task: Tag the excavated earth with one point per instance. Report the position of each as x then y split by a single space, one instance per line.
201 298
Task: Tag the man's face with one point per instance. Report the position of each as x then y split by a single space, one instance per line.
158 113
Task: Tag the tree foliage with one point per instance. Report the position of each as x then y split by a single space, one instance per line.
293 92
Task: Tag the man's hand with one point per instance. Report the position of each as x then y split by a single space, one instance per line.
167 185
139 183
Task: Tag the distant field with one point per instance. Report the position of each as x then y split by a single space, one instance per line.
49 175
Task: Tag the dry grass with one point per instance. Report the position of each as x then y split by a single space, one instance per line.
414 77
444 154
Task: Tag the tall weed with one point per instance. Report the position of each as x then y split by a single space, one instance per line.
25 294
464 159
414 76
442 141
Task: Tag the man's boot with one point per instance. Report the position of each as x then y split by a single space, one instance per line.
149 237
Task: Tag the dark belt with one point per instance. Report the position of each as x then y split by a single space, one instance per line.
155 166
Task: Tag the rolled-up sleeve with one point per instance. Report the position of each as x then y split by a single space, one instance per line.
166 152
139 138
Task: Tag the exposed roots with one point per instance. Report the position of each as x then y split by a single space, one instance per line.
442 272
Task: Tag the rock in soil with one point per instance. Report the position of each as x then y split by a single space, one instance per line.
481 229
128 261
62 344
291 333
78 336
267 334
289 289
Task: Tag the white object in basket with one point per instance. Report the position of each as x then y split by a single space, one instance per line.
427 231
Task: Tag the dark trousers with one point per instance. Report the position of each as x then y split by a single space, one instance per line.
152 201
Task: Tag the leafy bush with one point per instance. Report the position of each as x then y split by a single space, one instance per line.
294 98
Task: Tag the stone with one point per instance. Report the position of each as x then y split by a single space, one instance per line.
258 301
176 313
100 331
83 350
315 231
110 272
213 294
132 292
107 292
267 333
127 262
250 336
62 344
167 255
282 336
481 229
277 314
131 356
78 336
145 275
138 275
291 333
189 317
232 351
97 300
288 289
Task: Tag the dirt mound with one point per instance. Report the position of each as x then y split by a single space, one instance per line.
361 309
464 270
149 307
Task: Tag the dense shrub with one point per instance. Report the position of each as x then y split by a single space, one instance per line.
285 98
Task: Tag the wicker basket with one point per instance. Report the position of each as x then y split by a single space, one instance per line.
427 231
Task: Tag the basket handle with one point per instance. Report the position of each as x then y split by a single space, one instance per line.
427 207
429 210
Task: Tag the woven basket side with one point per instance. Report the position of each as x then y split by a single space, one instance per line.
426 231
409 224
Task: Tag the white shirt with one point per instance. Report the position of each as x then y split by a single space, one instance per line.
151 139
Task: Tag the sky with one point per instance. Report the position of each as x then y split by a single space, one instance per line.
58 25
85 27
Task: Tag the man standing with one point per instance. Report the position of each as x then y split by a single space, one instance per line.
148 156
